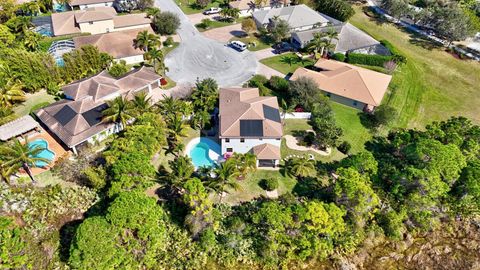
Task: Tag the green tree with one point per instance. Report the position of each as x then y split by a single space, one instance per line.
278 29
230 14
338 9
118 69
146 41
450 23
467 189
286 109
16 155
322 119
7 39
155 58
182 170
384 115
84 62
141 103
224 180
304 92
201 208
300 167
166 23
246 163
396 8
11 93
249 26
205 95
13 247
120 111
318 43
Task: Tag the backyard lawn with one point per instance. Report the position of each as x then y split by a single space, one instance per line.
286 63
260 42
433 85
33 102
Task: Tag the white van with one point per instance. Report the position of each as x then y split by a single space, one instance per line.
238 45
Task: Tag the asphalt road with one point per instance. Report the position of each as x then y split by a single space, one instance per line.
199 57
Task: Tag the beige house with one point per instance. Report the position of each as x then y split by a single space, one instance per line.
97 20
77 119
247 7
351 85
124 48
84 4
250 123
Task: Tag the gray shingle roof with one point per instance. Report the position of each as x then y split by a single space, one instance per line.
17 127
296 16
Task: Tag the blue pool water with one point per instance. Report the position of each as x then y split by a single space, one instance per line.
200 152
60 62
46 153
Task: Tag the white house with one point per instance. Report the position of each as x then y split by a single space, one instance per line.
250 123
248 7
84 4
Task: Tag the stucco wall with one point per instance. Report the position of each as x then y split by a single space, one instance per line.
98 27
132 59
131 27
244 147
104 4
346 101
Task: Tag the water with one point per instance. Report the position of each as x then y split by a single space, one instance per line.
60 62
59 7
45 153
202 151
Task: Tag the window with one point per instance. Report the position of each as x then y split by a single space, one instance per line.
329 95
227 140
106 4
230 150
355 103
278 139
90 22
242 140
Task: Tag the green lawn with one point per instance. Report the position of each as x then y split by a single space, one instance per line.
433 85
189 7
249 188
40 97
286 63
260 42
217 24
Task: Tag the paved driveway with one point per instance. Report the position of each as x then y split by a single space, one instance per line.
224 34
199 57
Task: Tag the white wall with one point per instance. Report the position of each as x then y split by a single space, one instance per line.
104 4
297 115
98 27
131 27
246 146
132 59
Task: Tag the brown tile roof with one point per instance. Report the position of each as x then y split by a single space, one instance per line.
123 41
237 104
76 119
266 151
131 20
63 23
95 14
88 2
347 80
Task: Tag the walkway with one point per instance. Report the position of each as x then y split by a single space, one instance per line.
199 57
292 143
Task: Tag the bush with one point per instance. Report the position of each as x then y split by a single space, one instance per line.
309 138
53 88
269 184
257 80
278 84
396 55
339 57
344 147
97 177
118 69
168 42
166 23
367 59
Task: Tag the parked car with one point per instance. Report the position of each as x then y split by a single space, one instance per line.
283 47
212 10
240 46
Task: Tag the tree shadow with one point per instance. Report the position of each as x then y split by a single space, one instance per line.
374 16
312 188
238 33
422 41
367 121
67 233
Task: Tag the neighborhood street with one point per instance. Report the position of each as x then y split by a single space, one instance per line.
199 57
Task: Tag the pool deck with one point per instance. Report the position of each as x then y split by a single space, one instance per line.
53 146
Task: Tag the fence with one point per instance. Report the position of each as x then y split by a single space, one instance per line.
298 115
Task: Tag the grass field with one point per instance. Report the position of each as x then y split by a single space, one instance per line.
260 42
286 63
188 6
32 100
433 85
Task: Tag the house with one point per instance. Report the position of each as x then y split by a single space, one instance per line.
299 17
77 119
250 123
84 4
97 20
351 85
247 7
19 127
124 48
349 39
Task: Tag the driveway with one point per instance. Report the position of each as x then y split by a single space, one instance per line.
199 57
224 34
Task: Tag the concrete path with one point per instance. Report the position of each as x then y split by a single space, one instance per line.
199 57
265 53
268 71
292 143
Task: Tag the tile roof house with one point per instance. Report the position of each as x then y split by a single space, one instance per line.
124 48
247 7
348 84
250 123
78 118
84 4
97 20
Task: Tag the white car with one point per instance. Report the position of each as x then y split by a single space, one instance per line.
212 10
238 45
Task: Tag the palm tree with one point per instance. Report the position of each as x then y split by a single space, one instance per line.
119 111
22 25
230 13
142 103
286 109
11 93
318 43
153 12
182 170
176 128
224 178
155 58
31 40
30 8
245 163
301 167
145 41
16 155
290 59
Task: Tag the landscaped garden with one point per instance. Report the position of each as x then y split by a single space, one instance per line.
287 63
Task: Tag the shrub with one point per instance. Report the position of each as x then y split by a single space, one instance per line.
309 138
278 84
118 69
202 3
96 176
205 23
257 80
339 57
166 23
396 55
168 42
367 59
269 184
53 88
344 147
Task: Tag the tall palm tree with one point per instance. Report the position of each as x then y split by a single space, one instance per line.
22 25
176 128
301 167
141 103
224 179
146 41
245 163
120 110
11 93
286 109
155 58
16 155
318 43
153 12
182 170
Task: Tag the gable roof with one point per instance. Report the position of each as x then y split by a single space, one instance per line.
95 14
243 113
296 16
17 127
123 41
76 119
347 80
63 23
88 2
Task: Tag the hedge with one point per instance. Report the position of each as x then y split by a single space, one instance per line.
339 57
397 56
367 59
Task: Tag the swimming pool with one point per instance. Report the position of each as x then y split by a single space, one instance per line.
45 153
203 152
